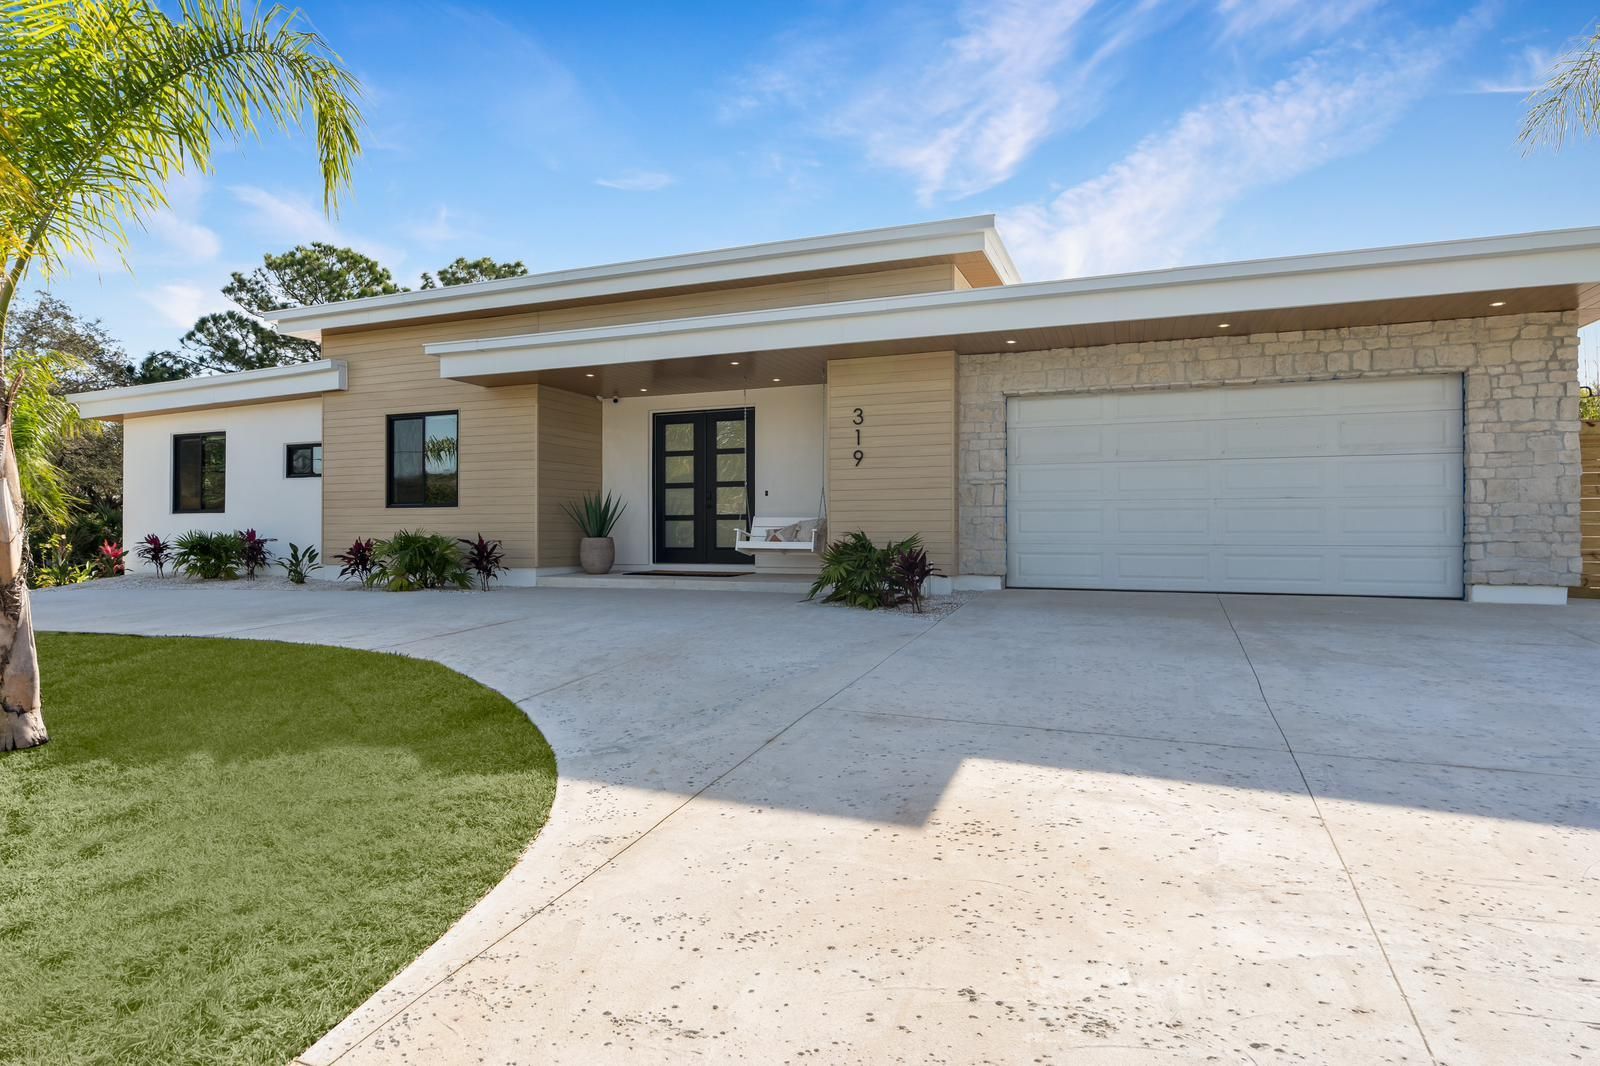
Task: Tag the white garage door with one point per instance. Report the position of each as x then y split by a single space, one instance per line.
1351 487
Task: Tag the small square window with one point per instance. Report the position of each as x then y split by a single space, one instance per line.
303 460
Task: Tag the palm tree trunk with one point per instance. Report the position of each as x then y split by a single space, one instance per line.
21 723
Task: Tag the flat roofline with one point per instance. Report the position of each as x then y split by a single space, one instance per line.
973 235
295 381
1486 264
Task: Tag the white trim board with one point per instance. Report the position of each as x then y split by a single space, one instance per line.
216 390
1558 258
975 235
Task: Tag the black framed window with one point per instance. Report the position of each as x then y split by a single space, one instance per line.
424 459
199 473
302 460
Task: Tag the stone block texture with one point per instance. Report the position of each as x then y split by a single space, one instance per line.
1520 373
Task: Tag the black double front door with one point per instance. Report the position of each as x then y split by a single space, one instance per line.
704 484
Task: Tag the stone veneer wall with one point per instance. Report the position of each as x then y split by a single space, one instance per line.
1521 411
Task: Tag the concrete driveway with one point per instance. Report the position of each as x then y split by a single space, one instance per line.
1051 828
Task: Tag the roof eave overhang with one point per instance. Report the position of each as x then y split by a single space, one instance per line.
273 385
754 264
1568 259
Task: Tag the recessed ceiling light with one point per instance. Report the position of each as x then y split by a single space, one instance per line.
1011 342
1498 303
777 379
1224 325
588 375
733 362
644 390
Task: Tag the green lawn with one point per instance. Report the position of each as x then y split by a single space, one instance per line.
228 845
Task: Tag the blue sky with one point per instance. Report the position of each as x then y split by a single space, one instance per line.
1106 136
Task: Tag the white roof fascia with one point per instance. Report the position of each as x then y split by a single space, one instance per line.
754 262
1482 265
215 390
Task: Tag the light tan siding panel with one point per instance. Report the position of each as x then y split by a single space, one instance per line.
569 467
906 482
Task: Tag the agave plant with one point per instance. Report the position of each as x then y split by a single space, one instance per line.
596 516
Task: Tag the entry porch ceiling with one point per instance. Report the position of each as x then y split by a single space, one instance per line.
807 365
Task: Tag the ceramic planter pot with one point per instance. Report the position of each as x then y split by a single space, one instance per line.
596 554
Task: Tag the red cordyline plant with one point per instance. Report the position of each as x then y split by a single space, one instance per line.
359 560
253 551
110 560
485 559
156 552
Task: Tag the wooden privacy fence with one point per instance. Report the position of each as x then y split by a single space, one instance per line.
1589 447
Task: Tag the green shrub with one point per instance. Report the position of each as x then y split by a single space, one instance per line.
211 556
300 563
414 559
857 572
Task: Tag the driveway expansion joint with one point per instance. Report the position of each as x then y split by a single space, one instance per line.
1332 840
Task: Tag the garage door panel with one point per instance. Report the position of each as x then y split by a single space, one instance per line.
1058 444
1410 431
1065 482
1334 487
1400 474
1040 525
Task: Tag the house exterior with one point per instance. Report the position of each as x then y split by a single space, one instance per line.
1399 421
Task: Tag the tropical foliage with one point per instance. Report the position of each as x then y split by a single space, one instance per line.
485 559
209 555
155 551
105 101
414 559
596 516
253 551
300 563
859 573
358 561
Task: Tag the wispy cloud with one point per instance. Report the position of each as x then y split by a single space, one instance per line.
1528 70
178 227
1284 22
638 181
1160 202
180 303
959 113
288 220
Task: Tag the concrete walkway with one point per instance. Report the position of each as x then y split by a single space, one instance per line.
1051 828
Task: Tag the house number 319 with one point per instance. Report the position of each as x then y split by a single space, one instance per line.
857 419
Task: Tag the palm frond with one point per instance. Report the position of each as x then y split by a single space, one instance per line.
1569 102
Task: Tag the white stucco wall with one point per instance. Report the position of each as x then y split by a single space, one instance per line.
790 434
257 493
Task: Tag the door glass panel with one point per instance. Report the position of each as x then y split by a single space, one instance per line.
725 531
680 437
730 467
730 434
680 534
680 469
731 501
679 501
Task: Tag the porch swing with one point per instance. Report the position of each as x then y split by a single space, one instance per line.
778 534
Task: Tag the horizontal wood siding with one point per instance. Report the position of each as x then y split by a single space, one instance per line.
569 467
498 446
906 482
389 374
